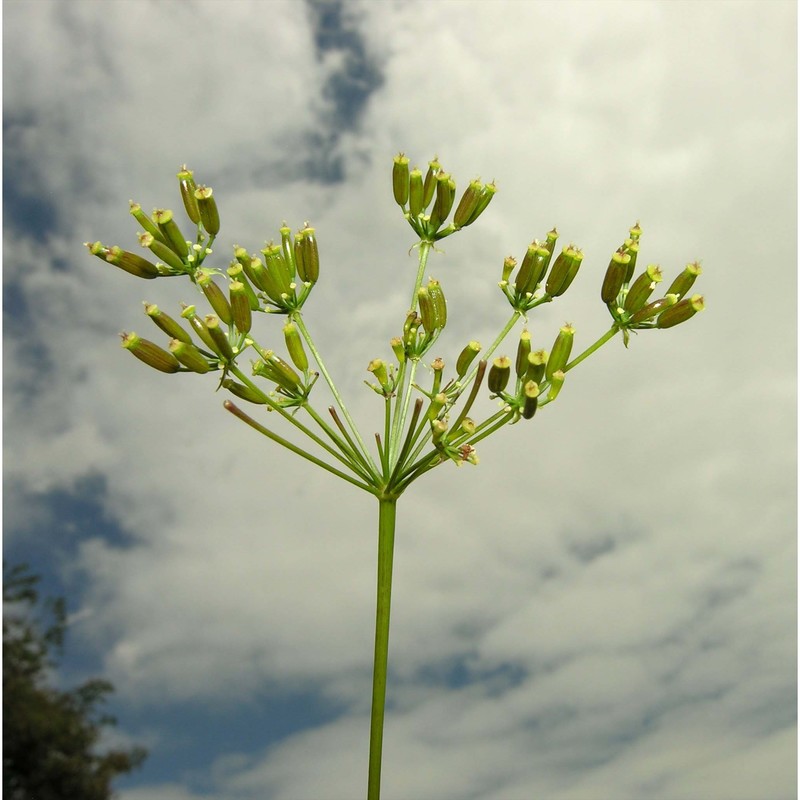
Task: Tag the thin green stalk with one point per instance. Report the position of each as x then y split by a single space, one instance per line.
401 456
381 453
237 412
351 456
424 252
606 337
401 409
297 318
387 437
479 372
505 418
406 378
419 436
395 431
386 524
234 370
348 439
430 460
495 344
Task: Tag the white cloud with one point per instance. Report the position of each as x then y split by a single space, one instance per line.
629 552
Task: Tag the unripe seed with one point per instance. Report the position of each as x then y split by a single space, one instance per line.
215 296
378 368
410 328
499 374
564 271
167 323
532 269
509 262
536 365
523 351
279 271
287 248
416 193
150 353
681 311
445 195
429 187
145 221
642 288
298 256
400 179
398 348
631 249
241 312
221 344
188 188
468 204
277 370
162 251
273 280
288 378
310 256
559 355
242 256
237 273
189 313
263 279
172 233
189 356
426 310
652 309
243 392
615 277
294 344
556 382
488 191
531 393
207 205
684 282
132 263
436 295
466 357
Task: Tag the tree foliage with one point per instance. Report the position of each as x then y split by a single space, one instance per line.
50 736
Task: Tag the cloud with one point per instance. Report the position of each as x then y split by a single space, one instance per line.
605 600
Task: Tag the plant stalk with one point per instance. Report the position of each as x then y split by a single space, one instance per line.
386 522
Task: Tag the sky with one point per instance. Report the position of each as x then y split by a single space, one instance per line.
604 608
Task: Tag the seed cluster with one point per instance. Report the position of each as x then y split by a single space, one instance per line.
424 425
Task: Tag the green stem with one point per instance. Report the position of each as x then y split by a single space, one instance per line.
297 318
606 337
387 437
495 344
350 462
237 412
409 440
500 419
351 457
401 408
386 524
424 251
406 377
